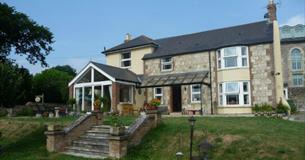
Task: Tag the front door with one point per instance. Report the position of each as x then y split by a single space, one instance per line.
176 94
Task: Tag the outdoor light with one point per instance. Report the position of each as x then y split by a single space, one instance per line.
179 155
192 123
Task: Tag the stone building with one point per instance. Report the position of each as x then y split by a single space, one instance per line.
221 71
293 48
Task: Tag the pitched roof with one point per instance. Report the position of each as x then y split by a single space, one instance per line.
118 73
136 42
247 34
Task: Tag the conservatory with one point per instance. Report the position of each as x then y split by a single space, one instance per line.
95 81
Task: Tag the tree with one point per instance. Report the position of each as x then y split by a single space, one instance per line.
53 84
20 34
66 68
15 85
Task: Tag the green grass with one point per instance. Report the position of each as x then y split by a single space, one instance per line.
122 120
233 139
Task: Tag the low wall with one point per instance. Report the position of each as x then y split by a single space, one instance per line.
58 137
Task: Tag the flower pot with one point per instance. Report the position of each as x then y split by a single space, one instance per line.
117 131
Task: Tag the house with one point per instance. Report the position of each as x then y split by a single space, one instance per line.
221 71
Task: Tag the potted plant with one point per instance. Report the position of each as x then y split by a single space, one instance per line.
97 104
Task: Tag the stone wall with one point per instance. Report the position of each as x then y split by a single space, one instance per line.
297 94
262 79
183 64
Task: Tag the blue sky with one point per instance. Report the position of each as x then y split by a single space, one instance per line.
83 28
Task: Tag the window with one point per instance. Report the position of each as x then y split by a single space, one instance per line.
158 93
298 80
166 64
296 59
232 57
125 60
125 94
234 93
195 93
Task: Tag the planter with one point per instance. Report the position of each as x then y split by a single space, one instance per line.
117 131
152 111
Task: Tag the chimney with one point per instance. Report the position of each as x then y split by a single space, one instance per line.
271 11
127 37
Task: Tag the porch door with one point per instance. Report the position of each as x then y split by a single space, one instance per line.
176 95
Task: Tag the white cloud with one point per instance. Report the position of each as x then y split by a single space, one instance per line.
298 19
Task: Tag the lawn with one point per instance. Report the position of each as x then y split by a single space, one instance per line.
233 138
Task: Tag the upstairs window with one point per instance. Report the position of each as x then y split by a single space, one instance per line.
232 57
296 59
125 60
166 64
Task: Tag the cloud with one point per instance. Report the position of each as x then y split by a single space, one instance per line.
298 19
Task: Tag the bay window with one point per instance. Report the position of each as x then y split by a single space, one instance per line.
195 93
234 93
232 57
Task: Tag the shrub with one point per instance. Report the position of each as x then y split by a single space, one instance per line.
3 112
281 108
26 111
256 108
293 107
267 107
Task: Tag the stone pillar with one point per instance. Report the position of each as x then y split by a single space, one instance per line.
115 96
56 112
55 138
118 146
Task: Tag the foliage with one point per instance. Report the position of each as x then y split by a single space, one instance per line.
71 101
15 85
155 102
66 68
118 121
21 35
26 111
293 106
3 112
262 108
53 84
281 108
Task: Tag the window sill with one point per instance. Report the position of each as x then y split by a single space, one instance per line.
195 102
232 68
236 106
166 71
126 67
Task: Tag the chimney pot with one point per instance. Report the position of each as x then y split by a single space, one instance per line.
127 37
271 11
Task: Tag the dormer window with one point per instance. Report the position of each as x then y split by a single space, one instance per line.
166 64
125 60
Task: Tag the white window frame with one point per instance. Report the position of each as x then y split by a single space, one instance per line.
126 59
222 94
166 63
130 92
221 57
195 93
158 94
302 81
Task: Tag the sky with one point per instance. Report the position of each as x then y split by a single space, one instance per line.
82 28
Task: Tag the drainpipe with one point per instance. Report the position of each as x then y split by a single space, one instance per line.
211 92
201 99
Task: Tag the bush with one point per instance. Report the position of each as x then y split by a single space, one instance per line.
293 107
3 112
281 108
26 111
262 108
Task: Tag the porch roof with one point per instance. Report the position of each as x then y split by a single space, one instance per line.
174 79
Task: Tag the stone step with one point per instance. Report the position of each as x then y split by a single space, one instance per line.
91 145
85 155
93 137
98 131
106 127
89 151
